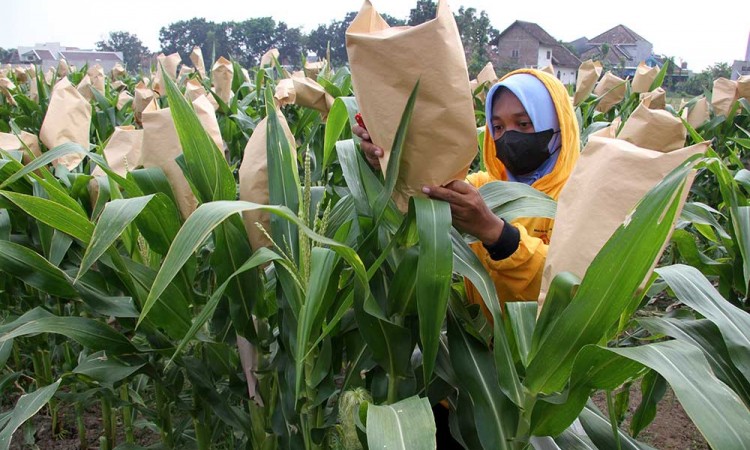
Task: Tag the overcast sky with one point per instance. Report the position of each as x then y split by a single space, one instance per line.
700 33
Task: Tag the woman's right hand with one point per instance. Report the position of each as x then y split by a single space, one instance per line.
372 152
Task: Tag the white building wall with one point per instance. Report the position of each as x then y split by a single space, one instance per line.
544 57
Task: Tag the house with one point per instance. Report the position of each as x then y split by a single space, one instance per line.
526 44
49 54
618 48
742 68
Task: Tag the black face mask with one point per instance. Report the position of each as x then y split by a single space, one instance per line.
523 153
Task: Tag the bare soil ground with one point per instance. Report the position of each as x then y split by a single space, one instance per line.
672 429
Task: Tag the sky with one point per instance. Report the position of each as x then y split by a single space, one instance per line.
698 33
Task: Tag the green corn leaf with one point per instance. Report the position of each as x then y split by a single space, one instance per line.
653 388
494 415
53 214
103 369
394 159
317 299
207 168
694 290
117 215
207 217
342 113
283 178
26 407
31 268
522 317
705 335
716 411
406 425
87 332
434 271
466 263
511 200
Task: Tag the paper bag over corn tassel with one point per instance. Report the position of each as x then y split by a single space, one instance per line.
723 96
123 151
68 119
644 78
253 177
267 58
221 76
743 87
609 179
196 57
11 142
386 63
161 146
588 74
611 89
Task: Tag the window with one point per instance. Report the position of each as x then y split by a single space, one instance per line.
514 53
558 74
549 54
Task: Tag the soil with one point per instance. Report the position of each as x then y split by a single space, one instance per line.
671 429
39 432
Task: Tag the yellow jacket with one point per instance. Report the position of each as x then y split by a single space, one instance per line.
519 276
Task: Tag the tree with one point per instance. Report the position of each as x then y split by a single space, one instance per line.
182 36
133 50
476 33
424 10
333 34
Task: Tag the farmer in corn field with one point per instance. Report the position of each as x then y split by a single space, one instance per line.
532 137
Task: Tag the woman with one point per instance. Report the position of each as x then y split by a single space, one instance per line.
532 137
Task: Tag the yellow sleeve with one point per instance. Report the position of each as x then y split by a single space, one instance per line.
518 277
478 179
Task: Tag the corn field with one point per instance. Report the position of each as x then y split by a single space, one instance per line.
131 286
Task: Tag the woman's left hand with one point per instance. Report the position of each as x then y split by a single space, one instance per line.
470 213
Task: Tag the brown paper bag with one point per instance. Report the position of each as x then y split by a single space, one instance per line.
308 93
699 113
68 119
253 177
123 151
743 87
267 58
161 146
84 88
4 71
62 68
49 76
196 57
588 74
207 116
386 64
487 75
144 97
33 88
653 129
6 86
11 142
21 75
166 66
285 94
312 69
644 77
123 98
612 90
221 77
723 96
194 89
96 74
656 99
184 72
118 72
609 179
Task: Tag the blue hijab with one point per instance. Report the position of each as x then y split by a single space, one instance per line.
535 98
